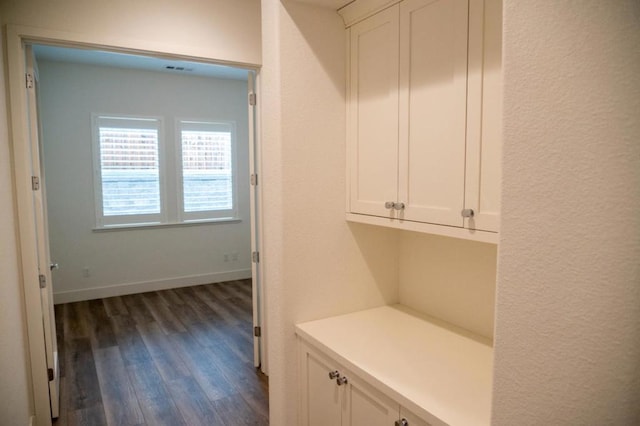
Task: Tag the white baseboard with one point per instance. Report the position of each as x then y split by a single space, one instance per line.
144 286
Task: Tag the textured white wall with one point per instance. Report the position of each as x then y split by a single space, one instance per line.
69 94
222 29
316 264
567 343
14 388
450 279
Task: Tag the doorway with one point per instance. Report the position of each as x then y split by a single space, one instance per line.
25 167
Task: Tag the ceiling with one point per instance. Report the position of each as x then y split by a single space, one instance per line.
147 63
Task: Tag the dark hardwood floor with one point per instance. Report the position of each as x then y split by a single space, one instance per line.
171 357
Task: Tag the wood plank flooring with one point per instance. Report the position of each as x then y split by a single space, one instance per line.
171 357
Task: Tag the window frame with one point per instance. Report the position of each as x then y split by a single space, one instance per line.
170 171
205 215
130 121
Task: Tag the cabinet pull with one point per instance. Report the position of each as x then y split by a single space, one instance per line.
467 213
342 381
334 374
402 422
392 205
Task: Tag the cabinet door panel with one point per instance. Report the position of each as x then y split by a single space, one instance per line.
321 397
368 407
373 113
433 91
412 419
484 127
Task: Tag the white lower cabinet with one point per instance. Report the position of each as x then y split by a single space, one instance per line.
331 395
410 418
321 399
392 366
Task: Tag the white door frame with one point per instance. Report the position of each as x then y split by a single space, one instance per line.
17 37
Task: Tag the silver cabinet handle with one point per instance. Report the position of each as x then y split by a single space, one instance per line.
342 381
334 374
467 213
53 266
392 205
402 422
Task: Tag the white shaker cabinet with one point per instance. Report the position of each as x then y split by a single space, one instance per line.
365 406
322 399
407 418
433 98
331 395
392 366
373 113
484 115
424 117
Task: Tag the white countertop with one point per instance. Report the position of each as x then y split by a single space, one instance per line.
430 367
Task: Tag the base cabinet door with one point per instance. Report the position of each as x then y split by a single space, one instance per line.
322 400
407 418
331 395
367 407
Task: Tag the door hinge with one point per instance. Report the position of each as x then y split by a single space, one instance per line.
252 99
29 80
255 257
35 183
254 179
43 281
257 331
50 374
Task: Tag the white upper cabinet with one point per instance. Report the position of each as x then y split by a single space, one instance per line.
374 112
424 113
433 101
484 115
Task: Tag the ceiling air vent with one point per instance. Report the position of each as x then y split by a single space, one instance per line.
175 68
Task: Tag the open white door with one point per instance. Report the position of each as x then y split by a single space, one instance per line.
42 235
255 254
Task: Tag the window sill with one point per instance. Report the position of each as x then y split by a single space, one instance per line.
126 227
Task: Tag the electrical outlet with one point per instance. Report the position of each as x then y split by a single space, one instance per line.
85 272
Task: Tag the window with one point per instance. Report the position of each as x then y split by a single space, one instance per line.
135 184
207 169
127 164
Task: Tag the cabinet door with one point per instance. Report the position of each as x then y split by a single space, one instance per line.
367 407
373 113
412 419
484 141
433 96
321 399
